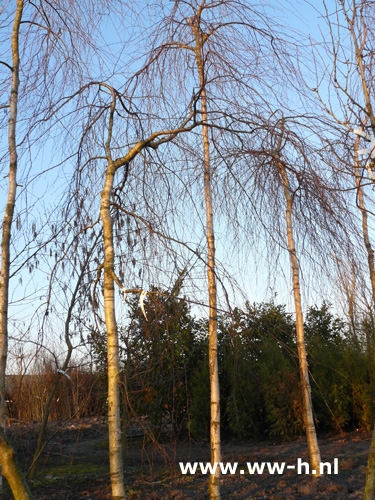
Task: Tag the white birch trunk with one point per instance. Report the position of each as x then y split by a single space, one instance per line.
214 484
7 459
370 473
114 421
312 440
359 56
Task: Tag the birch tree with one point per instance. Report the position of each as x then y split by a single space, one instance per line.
49 53
345 72
111 278
312 440
277 171
9 468
214 490
220 42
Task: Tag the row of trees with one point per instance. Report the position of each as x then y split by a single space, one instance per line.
165 390
166 377
217 109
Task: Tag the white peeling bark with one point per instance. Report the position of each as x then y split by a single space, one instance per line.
114 421
312 440
7 460
370 472
214 483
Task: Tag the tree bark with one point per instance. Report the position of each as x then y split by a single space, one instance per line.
9 468
312 440
370 473
114 421
214 483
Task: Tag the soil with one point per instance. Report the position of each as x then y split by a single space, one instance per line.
74 465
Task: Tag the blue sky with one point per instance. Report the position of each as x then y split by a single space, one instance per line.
252 271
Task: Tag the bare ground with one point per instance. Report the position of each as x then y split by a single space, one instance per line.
75 466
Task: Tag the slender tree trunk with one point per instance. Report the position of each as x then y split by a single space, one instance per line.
370 473
9 469
43 428
365 232
214 486
40 443
114 421
312 441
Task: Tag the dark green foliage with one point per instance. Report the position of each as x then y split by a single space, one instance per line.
281 391
199 411
361 363
165 371
330 356
263 396
160 358
243 401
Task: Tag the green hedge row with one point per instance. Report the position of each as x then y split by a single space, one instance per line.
166 375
